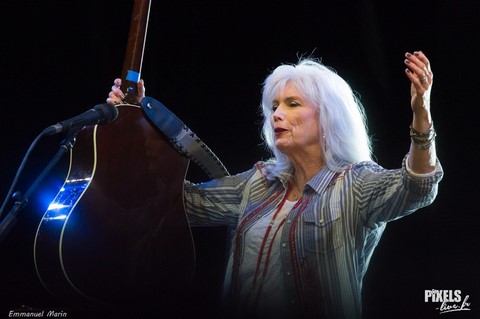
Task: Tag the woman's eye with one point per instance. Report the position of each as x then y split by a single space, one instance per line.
294 104
274 108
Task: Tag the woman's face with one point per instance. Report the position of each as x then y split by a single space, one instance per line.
295 123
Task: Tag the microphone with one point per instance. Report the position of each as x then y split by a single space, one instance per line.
100 114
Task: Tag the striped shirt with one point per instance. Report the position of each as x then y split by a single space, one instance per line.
327 239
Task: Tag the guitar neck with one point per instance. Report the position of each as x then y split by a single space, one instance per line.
132 65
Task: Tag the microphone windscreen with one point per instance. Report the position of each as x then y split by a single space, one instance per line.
109 112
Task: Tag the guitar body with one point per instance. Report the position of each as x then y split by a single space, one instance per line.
117 232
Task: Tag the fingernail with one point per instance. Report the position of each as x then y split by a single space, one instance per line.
407 61
408 55
416 53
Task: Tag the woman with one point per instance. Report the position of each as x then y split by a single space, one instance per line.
308 220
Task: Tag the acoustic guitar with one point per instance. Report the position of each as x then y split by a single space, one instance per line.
116 233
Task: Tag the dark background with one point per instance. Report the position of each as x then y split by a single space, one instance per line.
206 61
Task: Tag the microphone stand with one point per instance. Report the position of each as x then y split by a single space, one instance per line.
20 201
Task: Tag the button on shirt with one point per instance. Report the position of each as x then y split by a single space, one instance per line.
264 290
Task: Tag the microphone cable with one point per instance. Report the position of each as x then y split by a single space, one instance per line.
20 169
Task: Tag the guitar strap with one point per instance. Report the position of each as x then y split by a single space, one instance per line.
182 138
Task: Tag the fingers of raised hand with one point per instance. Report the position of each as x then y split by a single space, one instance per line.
113 98
141 89
419 70
116 95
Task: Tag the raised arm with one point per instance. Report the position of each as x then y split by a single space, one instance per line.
422 156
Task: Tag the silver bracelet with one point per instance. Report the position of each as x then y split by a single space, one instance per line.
422 141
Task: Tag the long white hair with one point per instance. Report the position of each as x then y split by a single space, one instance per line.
341 115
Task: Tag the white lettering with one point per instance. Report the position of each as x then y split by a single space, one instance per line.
435 295
56 314
445 307
25 314
428 294
458 296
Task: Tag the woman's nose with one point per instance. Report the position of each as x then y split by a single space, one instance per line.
279 114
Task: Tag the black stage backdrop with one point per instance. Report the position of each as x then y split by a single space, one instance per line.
206 61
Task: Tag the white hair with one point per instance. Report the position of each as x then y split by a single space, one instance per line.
341 115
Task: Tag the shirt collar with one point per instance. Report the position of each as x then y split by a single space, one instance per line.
323 179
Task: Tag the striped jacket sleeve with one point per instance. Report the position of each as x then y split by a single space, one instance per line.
217 202
384 195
